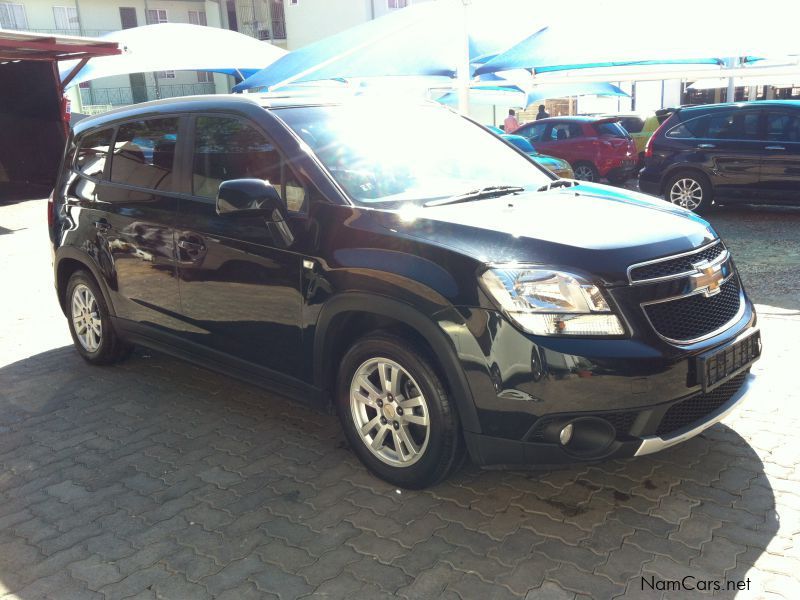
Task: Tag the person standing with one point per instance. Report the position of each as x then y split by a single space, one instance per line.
510 125
542 114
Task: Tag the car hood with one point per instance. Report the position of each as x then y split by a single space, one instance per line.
592 228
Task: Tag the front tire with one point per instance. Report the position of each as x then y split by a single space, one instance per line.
691 191
90 322
396 413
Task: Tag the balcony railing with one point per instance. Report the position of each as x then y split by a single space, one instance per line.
80 32
131 95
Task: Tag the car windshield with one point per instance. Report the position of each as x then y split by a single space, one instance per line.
392 158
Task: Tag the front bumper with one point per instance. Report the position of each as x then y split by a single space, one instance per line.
636 395
490 450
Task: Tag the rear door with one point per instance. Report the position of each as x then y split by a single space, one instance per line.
239 277
780 163
135 222
726 143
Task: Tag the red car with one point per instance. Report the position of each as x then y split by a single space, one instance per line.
595 147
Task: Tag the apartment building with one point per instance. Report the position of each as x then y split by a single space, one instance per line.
289 24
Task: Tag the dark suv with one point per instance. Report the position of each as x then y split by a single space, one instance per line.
439 296
725 153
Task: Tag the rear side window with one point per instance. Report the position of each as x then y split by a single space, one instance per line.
565 131
783 127
229 148
611 129
719 125
144 154
93 153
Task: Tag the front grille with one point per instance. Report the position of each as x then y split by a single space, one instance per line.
695 316
675 266
693 409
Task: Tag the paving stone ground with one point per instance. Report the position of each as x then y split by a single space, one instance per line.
157 479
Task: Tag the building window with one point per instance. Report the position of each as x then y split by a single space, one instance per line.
12 16
278 20
205 77
66 18
156 15
197 17
294 2
392 4
165 74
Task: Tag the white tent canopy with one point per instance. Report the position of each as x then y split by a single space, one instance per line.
177 47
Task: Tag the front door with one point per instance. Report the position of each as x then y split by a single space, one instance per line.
240 280
139 206
780 159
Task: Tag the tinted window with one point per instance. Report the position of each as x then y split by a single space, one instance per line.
611 129
534 132
228 148
783 127
144 154
565 131
733 125
93 152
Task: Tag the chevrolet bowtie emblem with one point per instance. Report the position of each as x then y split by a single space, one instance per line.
709 276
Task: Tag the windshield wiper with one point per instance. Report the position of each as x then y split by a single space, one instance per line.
490 191
557 183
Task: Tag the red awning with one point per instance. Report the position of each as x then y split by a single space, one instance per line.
23 45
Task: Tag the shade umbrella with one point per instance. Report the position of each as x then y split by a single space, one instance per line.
428 39
176 47
513 95
689 32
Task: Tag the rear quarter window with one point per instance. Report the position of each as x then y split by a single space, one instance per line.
92 154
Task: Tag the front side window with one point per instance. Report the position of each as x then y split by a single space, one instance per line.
92 154
401 162
144 154
228 148
783 127
735 125
535 133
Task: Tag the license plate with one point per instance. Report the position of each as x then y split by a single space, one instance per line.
721 364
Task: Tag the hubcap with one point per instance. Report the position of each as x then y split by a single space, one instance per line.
86 318
686 193
389 411
584 173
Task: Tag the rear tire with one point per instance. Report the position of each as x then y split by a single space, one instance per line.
396 413
691 190
90 322
585 171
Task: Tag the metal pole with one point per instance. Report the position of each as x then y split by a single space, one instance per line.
463 74
731 94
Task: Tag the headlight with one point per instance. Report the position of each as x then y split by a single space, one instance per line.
545 302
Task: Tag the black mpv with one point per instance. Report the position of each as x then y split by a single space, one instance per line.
443 293
703 156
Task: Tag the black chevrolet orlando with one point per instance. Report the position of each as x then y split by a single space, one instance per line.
415 273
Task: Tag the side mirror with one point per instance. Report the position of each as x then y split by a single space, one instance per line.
250 197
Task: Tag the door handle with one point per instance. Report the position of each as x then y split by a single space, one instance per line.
775 148
102 225
190 246
706 146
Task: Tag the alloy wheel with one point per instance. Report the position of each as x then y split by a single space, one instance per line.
584 173
390 412
86 318
687 193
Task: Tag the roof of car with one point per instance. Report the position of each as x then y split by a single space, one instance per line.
793 103
217 102
573 118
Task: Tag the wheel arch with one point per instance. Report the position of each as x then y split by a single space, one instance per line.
676 169
351 315
67 262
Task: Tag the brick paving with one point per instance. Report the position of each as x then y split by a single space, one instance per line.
157 479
